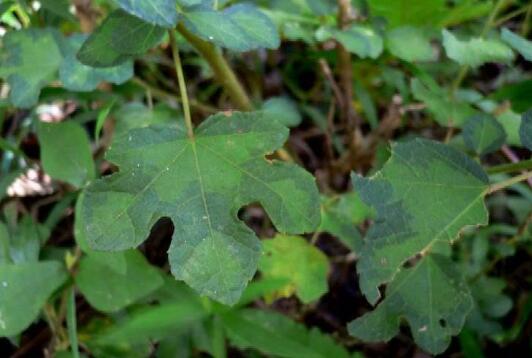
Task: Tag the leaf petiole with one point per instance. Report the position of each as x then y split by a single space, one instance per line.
509 182
182 84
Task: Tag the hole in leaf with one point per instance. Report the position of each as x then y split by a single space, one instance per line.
411 262
443 323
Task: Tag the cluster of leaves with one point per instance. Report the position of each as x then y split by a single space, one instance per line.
416 224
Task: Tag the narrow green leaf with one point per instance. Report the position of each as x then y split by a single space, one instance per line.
483 134
301 264
79 77
29 59
525 130
476 51
102 117
110 291
119 38
72 323
426 193
274 334
24 289
200 184
432 296
153 323
518 43
65 152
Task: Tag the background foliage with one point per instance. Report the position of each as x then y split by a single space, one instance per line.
286 178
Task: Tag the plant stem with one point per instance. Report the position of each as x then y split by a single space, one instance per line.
487 25
164 95
526 22
182 84
509 182
223 73
511 167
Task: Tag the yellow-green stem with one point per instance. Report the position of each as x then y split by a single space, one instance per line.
182 84
487 25
222 71
509 182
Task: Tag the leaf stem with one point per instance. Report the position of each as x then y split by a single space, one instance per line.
182 84
222 71
511 167
509 182
487 25
526 22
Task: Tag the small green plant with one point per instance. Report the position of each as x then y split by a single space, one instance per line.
190 177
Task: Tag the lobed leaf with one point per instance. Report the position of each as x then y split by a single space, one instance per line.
426 193
433 298
200 184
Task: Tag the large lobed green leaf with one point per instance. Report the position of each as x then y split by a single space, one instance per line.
426 193
200 184
432 296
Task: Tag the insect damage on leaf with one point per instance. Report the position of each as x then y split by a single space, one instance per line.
200 183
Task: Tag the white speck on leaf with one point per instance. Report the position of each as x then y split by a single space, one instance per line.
423 329
4 284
